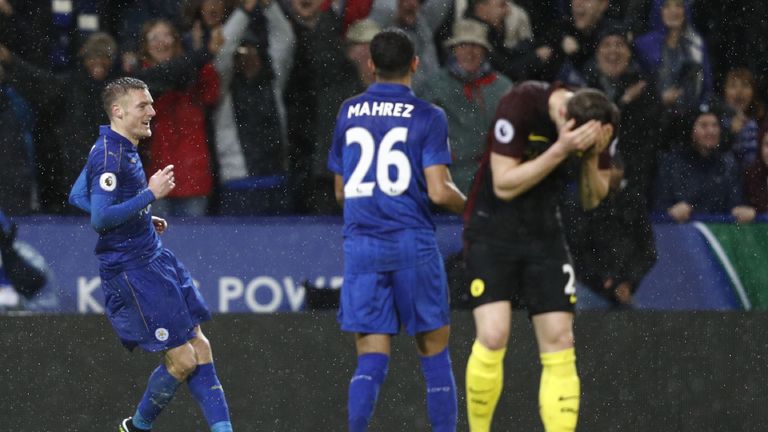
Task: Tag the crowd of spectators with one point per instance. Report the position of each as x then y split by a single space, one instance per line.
247 91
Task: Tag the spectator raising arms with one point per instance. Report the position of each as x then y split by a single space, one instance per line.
180 136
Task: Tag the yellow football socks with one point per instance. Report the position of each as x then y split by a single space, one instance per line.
559 391
485 376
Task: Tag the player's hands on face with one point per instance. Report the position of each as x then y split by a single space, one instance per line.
162 182
581 138
160 224
680 212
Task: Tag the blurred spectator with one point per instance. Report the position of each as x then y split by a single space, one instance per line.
612 246
16 163
201 17
512 49
614 71
130 21
63 103
675 55
699 178
756 178
248 138
742 111
315 89
421 21
179 132
580 32
468 89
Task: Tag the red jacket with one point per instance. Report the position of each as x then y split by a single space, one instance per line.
179 135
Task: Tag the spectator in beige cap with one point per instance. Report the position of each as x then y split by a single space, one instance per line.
468 89
358 41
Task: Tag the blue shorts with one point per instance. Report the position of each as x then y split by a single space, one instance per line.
415 298
155 307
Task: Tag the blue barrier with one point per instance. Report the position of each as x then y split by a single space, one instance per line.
258 264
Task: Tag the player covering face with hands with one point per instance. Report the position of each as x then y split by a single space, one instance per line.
150 298
514 242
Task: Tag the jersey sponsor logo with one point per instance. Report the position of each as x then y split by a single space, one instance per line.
108 182
161 334
389 109
504 131
477 288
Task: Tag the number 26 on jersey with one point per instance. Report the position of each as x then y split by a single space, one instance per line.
386 157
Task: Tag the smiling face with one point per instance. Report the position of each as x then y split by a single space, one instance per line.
613 55
132 114
706 133
161 43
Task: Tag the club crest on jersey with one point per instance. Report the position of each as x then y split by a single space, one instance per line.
108 182
504 131
161 334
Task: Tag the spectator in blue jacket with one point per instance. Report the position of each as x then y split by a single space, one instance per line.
700 178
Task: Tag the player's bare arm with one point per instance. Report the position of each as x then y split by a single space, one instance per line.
441 189
594 182
513 177
338 188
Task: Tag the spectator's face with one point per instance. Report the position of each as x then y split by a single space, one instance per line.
673 14
136 112
613 56
492 12
738 93
706 133
306 9
406 12
360 54
469 56
98 67
587 13
160 43
212 13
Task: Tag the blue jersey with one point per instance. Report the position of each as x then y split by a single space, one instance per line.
115 175
383 141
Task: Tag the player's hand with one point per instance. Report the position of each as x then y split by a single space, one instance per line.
160 224
581 138
162 182
680 212
5 54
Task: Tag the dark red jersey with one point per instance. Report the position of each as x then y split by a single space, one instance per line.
522 129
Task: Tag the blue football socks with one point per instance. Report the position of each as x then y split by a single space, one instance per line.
160 390
364 389
208 392
441 391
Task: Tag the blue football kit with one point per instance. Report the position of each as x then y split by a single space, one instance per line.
393 271
150 297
